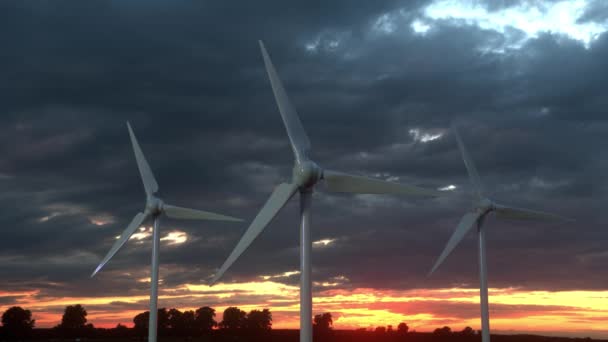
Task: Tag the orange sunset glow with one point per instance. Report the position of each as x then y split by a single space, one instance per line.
575 313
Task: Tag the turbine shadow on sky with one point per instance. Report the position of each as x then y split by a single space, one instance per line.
306 174
154 208
482 206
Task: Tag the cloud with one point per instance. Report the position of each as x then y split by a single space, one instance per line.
531 18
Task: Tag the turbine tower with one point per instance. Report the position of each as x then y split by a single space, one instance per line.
154 208
482 206
306 174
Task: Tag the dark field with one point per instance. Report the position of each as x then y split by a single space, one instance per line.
293 335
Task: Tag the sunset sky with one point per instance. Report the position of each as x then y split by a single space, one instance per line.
376 84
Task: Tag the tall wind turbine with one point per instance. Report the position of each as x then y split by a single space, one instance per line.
154 208
306 174
482 206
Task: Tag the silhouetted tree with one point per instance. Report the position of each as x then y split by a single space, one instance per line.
468 331
189 323
17 323
323 322
402 328
389 329
445 331
380 330
141 322
259 320
74 317
234 318
181 323
89 330
175 322
121 329
163 321
205 319
74 322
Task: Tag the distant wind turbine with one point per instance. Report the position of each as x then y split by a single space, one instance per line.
155 207
482 206
306 174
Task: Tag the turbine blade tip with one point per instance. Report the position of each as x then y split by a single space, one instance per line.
216 278
435 267
95 272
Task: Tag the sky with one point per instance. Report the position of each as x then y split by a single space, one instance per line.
377 85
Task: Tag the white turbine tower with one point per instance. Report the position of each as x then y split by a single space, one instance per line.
306 174
482 206
155 207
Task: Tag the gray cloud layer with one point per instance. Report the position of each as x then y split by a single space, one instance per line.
189 77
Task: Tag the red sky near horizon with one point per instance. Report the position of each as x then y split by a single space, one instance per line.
563 313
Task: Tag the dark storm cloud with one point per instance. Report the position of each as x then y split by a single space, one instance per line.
7 300
189 77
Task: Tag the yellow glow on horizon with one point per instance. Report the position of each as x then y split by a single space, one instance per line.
579 312
257 288
364 318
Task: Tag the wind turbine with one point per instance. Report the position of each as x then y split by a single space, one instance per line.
306 174
482 206
154 208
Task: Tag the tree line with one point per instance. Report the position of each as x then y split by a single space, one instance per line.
17 324
202 321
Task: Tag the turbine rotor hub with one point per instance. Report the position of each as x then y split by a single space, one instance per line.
485 205
306 174
154 205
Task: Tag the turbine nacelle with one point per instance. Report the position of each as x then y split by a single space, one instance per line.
485 205
154 205
306 174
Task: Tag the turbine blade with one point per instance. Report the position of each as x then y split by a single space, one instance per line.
468 162
342 182
466 223
511 213
145 172
274 204
299 140
124 237
193 214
